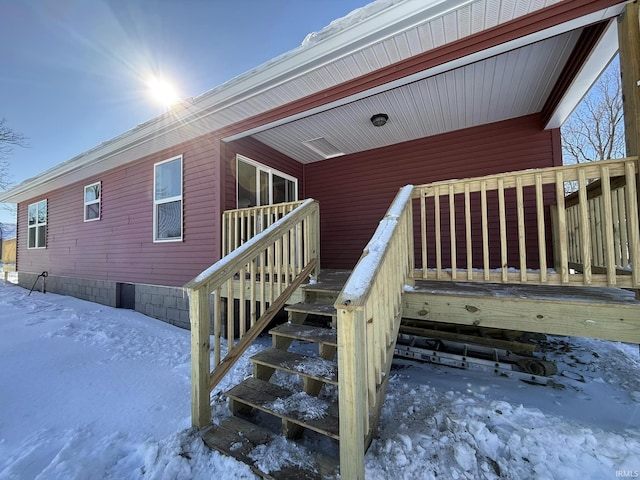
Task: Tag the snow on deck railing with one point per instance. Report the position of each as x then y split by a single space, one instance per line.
261 274
369 309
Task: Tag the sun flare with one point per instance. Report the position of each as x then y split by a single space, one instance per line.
162 91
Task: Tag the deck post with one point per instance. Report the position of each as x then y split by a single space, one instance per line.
352 392
629 45
200 363
629 42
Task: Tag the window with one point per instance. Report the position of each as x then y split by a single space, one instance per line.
261 185
37 235
167 200
92 202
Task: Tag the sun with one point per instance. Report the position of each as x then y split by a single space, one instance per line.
162 91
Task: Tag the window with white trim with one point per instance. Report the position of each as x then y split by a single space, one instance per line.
259 185
92 199
167 200
37 225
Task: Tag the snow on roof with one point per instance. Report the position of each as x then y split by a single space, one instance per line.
348 20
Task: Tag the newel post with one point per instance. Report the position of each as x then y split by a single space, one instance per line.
200 363
352 392
629 45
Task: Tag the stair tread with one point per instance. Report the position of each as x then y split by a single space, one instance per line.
329 281
237 438
311 412
309 333
310 366
312 308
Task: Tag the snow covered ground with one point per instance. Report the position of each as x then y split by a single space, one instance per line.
91 392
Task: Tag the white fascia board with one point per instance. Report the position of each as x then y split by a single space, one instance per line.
591 70
452 65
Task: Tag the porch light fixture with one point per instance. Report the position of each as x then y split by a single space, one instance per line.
379 119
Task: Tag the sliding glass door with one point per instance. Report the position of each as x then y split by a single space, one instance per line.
259 185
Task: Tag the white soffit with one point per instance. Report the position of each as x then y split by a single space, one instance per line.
509 85
598 60
473 58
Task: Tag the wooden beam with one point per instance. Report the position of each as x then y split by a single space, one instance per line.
629 43
609 321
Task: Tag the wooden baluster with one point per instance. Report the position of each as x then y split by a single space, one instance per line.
503 230
230 314
436 216
542 246
452 232
624 230
225 233
485 231
562 229
467 222
217 325
585 239
609 254
252 292
423 232
242 278
616 227
522 247
278 259
263 283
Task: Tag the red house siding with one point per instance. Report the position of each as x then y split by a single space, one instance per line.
260 153
354 191
119 246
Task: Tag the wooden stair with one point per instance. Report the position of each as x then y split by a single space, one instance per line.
300 410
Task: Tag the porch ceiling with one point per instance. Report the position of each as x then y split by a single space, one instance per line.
508 85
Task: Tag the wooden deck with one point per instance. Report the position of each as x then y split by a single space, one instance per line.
605 313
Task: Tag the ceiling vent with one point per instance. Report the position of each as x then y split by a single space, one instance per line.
323 147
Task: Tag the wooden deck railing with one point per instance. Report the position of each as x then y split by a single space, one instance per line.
609 223
369 309
267 269
242 224
500 228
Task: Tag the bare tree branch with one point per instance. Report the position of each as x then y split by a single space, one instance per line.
595 130
9 139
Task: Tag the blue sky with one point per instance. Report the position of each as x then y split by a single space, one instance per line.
73 72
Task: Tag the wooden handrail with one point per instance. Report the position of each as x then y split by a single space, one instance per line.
261 274
369 308
510 219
